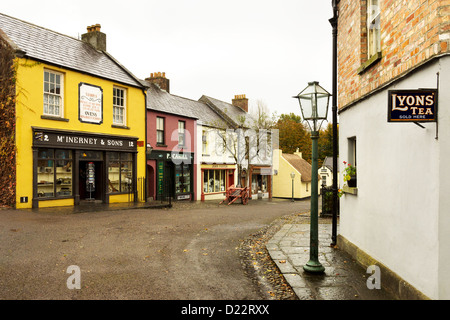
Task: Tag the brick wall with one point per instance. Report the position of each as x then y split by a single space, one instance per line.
412 32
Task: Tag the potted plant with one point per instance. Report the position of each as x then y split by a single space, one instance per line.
350 175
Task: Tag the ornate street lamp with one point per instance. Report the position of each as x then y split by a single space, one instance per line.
314 102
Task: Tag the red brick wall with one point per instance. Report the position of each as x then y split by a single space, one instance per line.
412 32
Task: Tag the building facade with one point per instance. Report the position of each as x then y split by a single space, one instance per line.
171 133
284 186
393 80
79 124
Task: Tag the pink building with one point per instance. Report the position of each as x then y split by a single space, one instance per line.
171 127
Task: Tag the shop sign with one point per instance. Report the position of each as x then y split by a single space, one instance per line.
412 105
56 139
90 102
160 177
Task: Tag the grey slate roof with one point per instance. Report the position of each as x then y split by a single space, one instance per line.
161 100
228 111
63 51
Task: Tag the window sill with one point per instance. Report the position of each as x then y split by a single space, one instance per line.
161 145
119 126
348 190
369 63
46 117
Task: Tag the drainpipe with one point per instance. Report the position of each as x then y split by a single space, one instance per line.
334 23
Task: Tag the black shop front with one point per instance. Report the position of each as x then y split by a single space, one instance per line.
83 166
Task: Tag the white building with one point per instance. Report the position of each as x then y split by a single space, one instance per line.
398 216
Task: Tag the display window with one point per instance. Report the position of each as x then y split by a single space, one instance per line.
54 173
214 181
182 178
120 172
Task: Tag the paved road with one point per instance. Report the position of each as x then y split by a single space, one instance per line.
180 253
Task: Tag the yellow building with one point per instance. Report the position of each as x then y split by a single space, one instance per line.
283 185
80 119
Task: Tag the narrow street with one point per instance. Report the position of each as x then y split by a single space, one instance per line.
183 253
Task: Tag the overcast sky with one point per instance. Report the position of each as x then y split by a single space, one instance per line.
267 50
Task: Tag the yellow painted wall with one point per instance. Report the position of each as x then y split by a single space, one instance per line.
30 88
282 181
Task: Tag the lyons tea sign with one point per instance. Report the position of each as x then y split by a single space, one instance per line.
412 105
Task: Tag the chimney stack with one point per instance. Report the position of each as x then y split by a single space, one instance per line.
159 78
240 101
95 37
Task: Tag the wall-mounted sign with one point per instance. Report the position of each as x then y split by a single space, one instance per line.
90 101
412 105
82 140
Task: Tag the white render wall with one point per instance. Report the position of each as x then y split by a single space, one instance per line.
403 174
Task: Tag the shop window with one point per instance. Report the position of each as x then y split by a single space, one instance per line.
160 130
119 106
259 183
53 94
120 172
54 173
182 178
214 181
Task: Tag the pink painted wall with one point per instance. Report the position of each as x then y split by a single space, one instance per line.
171 141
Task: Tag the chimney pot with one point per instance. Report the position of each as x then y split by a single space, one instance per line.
160 80
96 39
240 101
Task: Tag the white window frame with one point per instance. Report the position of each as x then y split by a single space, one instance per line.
48 95
181 133
373 28
160 127
119 104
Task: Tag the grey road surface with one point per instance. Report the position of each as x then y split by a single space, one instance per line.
183 253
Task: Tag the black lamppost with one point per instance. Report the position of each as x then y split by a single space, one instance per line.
314 102
334 23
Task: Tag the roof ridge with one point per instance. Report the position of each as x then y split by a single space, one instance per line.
40 27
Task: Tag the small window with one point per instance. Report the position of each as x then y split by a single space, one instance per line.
160 130
119 106
53 93
181 133
373 28
204 142
352 151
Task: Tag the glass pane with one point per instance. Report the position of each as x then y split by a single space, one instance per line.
63 177
187 178
45 154
217 181
52 77
126 156
126 176
211 181
113 176
46 87
45 179
113 156
222 181
63 154
205 181
46 76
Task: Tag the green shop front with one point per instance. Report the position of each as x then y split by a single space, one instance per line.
170 174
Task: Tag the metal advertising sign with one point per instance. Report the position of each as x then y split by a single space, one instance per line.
90 103
412 105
